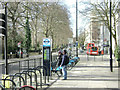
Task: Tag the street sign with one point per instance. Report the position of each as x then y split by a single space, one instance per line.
2 22
47 56
46 42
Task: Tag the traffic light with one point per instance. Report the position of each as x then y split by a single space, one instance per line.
2 24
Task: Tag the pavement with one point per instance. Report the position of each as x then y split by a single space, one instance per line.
92 73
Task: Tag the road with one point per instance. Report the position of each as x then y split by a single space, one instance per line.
30 57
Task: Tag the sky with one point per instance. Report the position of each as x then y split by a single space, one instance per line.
71 5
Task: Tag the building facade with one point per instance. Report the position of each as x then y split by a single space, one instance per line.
96 32
92 31
118 27
104 38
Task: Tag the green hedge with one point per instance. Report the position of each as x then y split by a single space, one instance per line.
117 52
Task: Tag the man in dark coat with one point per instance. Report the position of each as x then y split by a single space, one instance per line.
64 65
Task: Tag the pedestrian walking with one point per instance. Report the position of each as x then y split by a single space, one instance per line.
65 61
60 57
21 53
60 60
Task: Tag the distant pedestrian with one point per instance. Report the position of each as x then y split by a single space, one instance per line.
21 53
60 60
64 64
60 57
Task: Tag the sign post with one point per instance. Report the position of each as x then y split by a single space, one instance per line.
47 56
2 22
3 32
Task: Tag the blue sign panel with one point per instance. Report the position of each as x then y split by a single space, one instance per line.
46 42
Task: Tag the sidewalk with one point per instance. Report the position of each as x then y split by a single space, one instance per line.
90 74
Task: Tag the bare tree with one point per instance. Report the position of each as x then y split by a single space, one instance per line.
101 10
14 13
50 19
55 20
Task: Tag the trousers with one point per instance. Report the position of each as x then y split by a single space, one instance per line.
64 71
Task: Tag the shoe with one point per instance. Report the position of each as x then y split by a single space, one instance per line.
64 79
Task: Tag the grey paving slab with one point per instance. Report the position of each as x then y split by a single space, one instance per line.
90 74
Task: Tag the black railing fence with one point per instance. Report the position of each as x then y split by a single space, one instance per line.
21 65
30 72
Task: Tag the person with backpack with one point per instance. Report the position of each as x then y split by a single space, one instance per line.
65 61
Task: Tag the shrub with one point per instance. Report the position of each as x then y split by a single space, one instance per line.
117 52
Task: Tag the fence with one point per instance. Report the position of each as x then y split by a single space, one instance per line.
21 65
30 72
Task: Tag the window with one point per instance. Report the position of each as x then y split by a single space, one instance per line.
94 48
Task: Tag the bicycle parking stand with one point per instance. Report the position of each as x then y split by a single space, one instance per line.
25 73
27 87
34 74
17 76
13 83
45 70
2 87
36 69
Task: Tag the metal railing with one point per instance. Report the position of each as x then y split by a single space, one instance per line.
26 68
28 72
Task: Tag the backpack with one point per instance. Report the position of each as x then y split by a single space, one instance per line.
66 60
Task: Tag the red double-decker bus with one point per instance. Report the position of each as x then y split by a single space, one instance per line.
92 49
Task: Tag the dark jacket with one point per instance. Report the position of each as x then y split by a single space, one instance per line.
63 60
59 60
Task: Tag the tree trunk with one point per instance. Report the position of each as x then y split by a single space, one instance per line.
115 42
52 41
114 36
14 34
36 40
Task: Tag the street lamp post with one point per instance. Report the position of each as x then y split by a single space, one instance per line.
6 60
76 29
111 67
